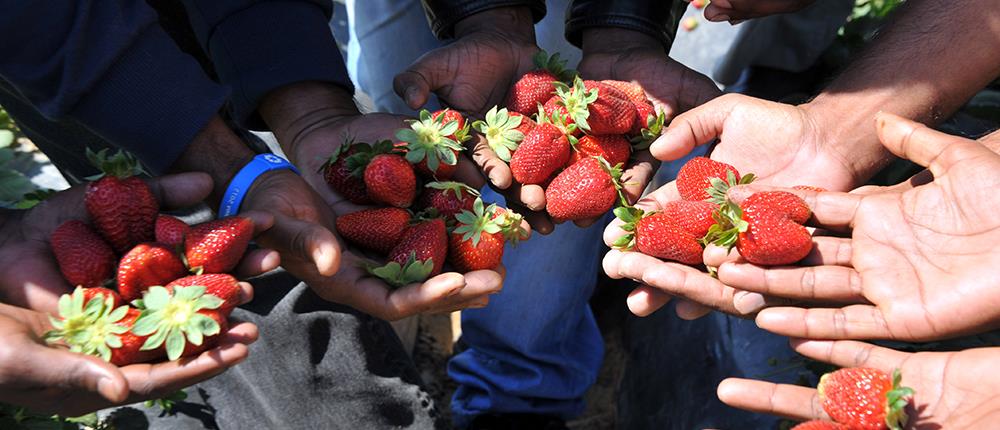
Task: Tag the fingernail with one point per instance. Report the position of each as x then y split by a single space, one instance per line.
106 386
879 120
747 303
411 95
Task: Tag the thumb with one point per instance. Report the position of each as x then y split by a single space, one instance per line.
929 148
695 127
415 84
71 371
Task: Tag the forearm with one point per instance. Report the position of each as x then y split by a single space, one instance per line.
446 15
657 19
512 23
931 58
606 40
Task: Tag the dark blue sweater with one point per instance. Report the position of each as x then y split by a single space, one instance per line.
108 65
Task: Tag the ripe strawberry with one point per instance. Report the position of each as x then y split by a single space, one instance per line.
783 202
695 217
433 142
448 198
376 229
706 179
146 265
543 151
766 228
99 328
419 255
817 425
217 246
130 351
699 4
220 285
170 230
173 319
390 180
584 190
103 293
84 258
536 86
504 130
689 23
645 114
120 204
597 108
658 234
631 90
477 242
865 398
220 317
614 148
345 177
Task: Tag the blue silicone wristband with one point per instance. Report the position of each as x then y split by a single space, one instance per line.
241 183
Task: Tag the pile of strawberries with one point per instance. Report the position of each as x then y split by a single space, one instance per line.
422 219
862 398
767 227
172 294
571 136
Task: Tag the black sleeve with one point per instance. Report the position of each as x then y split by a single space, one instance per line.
657 18
443 14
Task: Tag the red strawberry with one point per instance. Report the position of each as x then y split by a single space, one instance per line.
433 142
130 351
695 217
766 228
220 317
99 328
84 258
658 234
121 205
644 111
477 242
376 229
170 230
700 174
217 246
103 293
864 398
584 190
180 320
536 86
631 90
419 255
504 130
614 148
220 285
146 265
345 177
648 125
448 198
543 151
781 201
390 180
597 108
699 4
817 425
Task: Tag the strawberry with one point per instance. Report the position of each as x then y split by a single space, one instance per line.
217 246
706 179
644 113
648 125
543 151
632 91
657 234
865 398
376 229
419 255
220 285
433 142
596 108
817 425
783 202
103 293
120 204
146 265
84 258
448 198
689 23
172 319
766 228
584 190
345 177
613 147
170 231
209 342
390 180
699 4
504 131
536 86
477 242
695 217
98 327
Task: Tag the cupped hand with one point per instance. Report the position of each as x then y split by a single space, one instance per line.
952 389
917 263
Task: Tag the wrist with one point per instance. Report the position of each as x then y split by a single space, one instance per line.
242 184
217 151
512 23
607 40
847 133
295 110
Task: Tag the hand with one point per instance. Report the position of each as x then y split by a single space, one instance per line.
953 389
29 274
48 379
915 266
736 11
309 135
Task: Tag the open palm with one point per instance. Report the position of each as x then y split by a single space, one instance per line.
952 389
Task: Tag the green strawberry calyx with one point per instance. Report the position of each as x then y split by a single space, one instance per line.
357 162
895 402
718 188
728 225
338 153
172 319
121 164
630 217
88 328
510 224
553 64
472 225
499 128
558 120
649 134
398 275
457 188
428 138
576 100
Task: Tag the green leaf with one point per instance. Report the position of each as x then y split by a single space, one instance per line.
6 138
156 298
175 344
